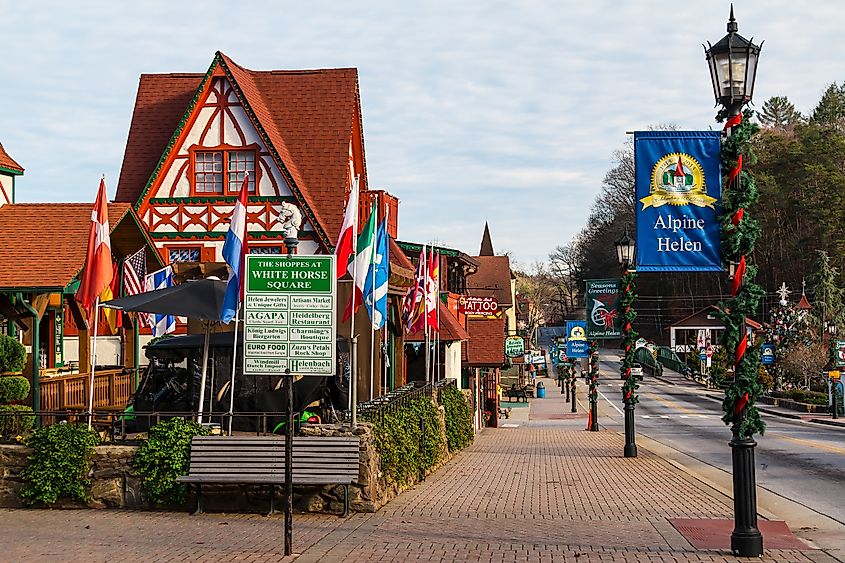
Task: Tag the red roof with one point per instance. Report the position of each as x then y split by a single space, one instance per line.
307 115
492 279
45 243
450 328
7 161
486 346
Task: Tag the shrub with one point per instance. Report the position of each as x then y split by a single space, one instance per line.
12 354
398 436
15 419
164 457
59 465
13 388
459 431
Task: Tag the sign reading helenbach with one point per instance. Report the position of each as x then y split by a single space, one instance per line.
603 319
289 315
679 187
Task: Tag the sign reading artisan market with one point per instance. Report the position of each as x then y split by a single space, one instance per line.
487 307
290 312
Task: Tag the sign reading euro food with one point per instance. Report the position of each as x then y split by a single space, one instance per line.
603 318
679 186
290 315
767 354
514 346
577 345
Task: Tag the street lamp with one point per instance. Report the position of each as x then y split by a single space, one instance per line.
625 247
733 69
831 347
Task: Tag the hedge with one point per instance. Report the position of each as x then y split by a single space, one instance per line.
15 419
12 354
13 388
459 431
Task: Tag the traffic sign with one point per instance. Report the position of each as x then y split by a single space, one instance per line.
290 312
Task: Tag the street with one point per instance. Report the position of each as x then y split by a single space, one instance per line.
798 460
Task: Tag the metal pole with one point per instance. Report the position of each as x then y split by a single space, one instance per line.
573 381
353 384
289 468
36 349
232 378
204 370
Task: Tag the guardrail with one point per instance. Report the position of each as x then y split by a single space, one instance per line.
398 399
112 389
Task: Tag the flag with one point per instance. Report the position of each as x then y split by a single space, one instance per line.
415 298
234 252
375 286
160 324
361 265
112 317
97 273
345 248
134 274
432 294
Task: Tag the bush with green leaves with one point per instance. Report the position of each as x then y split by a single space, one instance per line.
459 431
12 354
164 456
398 437
15 419
60 463
13 388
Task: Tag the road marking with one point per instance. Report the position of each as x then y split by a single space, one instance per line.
810 443
670 404
611 403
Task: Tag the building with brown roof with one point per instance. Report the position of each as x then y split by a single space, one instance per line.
9 170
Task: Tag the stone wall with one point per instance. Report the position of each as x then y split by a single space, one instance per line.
114 482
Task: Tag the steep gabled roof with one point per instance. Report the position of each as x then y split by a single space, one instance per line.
492 279
486 243
306 118
45 243
8 162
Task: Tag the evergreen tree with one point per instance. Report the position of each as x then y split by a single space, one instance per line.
779 113
830 110
827 295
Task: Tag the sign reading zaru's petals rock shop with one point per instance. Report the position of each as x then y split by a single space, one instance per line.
290 312
514 346
603 318
679 187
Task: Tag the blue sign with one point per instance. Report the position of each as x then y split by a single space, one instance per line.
679 188
576 339
767 354
702 355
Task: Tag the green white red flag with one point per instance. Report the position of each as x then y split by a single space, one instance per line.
360 267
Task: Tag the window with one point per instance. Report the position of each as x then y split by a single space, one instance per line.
214 169
265 249
184 255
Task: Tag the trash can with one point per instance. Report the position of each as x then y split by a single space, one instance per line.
541 390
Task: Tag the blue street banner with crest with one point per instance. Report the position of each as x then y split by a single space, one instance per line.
576 339
679 190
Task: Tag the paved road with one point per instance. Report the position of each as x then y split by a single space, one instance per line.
802 461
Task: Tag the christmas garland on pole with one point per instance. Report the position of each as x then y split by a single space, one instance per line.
629 337
739 234
594 381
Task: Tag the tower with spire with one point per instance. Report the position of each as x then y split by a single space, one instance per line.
486 243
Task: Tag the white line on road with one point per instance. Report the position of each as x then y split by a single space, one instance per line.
611 404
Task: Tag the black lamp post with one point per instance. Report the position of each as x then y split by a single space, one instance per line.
733 70
625 247
831 347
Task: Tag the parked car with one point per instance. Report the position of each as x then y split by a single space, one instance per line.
636 371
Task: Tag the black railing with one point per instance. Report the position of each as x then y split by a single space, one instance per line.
395 400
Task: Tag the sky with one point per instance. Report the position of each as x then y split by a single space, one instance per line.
474 111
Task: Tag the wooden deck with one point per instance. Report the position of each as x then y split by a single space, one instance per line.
112 389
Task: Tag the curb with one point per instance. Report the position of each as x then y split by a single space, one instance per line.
828 422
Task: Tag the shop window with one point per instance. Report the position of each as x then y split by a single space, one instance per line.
184 255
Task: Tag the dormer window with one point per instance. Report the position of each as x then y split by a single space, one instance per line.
219 170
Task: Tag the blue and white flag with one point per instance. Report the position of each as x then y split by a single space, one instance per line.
160 324
375 286
679 188
234 251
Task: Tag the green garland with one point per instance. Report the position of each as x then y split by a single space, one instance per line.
594 370
739 234
626 305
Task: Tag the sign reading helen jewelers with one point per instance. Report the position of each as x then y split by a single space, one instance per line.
290 312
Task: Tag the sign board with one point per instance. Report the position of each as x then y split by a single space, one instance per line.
577 345
603 318
514 346
767 354
840 353
485 307
833 374
640 343
290 315
561 355
702 355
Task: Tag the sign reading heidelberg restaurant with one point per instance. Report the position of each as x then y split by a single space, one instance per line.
603 318
289 315
486 307
679 186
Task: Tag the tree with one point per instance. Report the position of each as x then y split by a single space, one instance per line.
827 295
830 110
779 113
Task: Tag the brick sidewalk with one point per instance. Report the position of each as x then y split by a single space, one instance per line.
545 491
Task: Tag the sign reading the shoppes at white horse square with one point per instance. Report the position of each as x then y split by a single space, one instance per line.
290 311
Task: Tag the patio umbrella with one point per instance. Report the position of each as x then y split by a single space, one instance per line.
198 299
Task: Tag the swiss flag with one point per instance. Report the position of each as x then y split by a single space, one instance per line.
346 239
97 273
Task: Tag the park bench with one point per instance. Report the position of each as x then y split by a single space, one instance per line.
518 393
260 460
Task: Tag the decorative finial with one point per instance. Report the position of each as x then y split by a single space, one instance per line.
803 286
732 25
784 293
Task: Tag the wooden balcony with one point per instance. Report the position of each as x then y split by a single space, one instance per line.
386 203
112 389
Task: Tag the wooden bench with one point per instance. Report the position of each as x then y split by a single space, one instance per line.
518 393
261 460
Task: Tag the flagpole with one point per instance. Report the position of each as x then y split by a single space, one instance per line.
371 274
428 378
353 340
232 379
386 385
437 304
93 362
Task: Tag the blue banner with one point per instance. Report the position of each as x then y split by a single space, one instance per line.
576 339
679 190
767 354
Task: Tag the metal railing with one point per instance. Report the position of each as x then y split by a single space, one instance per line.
399 398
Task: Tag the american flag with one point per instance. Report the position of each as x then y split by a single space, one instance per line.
134 272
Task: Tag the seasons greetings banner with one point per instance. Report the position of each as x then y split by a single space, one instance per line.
679 188
603 319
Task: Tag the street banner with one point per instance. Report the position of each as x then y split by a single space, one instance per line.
678 186
290 312
603 318
840 354
767 354
577 345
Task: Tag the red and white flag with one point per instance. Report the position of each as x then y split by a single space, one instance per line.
413 308
432 293
97 274
345 248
